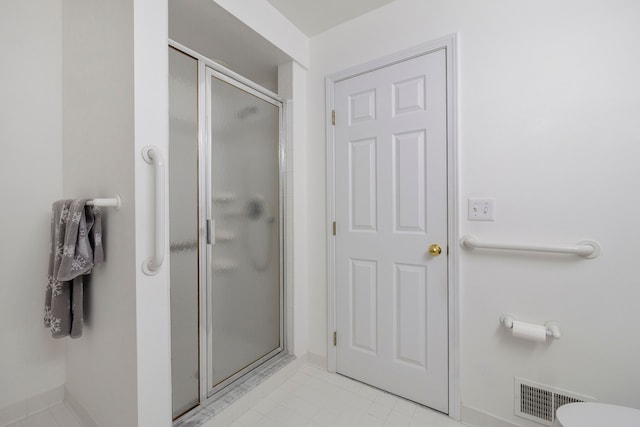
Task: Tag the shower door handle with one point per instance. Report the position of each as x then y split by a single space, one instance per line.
210 237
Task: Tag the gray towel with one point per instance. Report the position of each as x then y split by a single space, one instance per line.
76 246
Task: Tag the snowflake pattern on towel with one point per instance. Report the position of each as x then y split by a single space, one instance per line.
79 263
56 288
54 323
59 250
69 250
64 215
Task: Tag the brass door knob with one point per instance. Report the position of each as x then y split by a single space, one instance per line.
435 250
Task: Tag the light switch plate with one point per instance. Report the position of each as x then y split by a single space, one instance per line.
482 210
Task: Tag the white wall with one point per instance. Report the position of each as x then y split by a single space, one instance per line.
98 64
292 87
549 101
151 110
116 102
31 362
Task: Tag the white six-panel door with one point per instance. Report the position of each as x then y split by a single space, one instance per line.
390 207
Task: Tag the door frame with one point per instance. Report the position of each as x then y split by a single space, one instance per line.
449 43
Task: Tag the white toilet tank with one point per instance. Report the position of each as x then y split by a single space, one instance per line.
596 415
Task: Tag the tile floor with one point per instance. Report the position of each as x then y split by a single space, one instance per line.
56 416
311 397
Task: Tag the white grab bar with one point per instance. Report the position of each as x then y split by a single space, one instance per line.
153 155
584 248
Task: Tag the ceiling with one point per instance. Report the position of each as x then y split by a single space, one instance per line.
313 17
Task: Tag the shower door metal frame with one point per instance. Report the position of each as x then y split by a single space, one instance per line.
251 89
206 68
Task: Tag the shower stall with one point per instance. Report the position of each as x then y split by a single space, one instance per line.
226 227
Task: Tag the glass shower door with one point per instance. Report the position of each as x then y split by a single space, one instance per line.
245 289
183 229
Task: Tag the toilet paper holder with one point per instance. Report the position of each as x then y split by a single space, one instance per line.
553 328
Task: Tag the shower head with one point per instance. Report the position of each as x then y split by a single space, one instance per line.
255 207
247 111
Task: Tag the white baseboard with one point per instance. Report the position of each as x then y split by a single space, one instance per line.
24 408
477 418
83 415
317 359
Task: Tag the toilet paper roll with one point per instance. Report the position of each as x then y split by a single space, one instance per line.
529 331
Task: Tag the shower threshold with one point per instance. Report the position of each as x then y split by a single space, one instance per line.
234 391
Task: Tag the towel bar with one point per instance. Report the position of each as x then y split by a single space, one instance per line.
110 202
